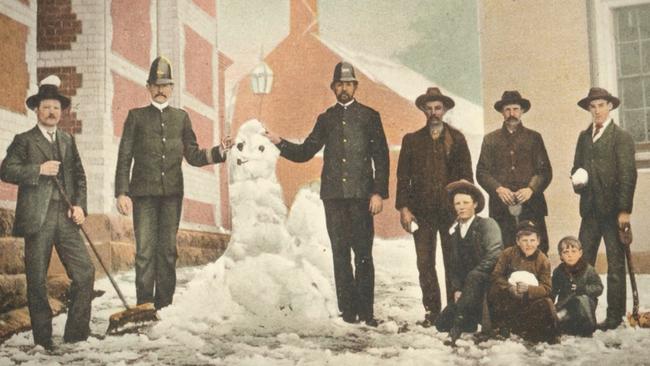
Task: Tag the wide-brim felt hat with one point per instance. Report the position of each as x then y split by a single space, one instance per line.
512 97
466 187
49 89
598 93
432 94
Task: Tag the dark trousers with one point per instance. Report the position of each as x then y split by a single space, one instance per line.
425 249
508 225
533 320
155 220
581 316
58 231
467 312
591 231
350 226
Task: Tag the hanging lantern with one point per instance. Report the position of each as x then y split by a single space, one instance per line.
262 79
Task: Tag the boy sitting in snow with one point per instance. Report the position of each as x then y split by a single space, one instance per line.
576 286
520 302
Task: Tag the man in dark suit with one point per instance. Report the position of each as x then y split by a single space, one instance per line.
604 174
34 160
149 182
514 169
351 191
431 158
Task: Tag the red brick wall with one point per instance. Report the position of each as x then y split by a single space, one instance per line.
209 6
126 95
70 82
198 66
198 212
303 66
132 30
57 26
15 76
202 127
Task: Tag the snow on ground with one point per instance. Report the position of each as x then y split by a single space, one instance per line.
321 342
270 301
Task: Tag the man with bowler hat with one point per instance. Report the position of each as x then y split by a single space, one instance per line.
354 181
149 182
514 169
604 175
430 159
34 160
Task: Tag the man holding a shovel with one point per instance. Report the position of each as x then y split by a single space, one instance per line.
34 160
514 169
604 175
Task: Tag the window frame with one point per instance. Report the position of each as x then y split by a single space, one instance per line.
603 60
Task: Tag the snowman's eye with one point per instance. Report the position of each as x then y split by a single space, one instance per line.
261 148
240 146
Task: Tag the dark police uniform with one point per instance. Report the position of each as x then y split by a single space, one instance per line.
354 142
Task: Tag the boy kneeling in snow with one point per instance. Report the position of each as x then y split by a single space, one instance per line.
576 285
520 302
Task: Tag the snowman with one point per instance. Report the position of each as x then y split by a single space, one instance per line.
265 275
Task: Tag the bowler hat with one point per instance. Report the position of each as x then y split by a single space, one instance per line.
598 93
49 89
466 187
343 71
160 72
434 93
512 97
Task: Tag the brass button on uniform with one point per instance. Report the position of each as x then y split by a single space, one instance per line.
163 174
344 160
345 140
164 139
344 179
513 167
344 122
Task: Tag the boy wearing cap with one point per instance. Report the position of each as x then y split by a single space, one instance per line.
149 182
520 289
476 244
576 287
354 183
604 175
35 159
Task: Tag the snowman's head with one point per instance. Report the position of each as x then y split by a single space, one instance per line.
252 156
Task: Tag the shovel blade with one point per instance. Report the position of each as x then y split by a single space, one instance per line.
134 316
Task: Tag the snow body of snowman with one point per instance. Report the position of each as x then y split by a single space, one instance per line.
262 275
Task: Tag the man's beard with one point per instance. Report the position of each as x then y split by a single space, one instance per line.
344 97
434 121
512 122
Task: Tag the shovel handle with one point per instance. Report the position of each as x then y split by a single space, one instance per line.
635 292
92 246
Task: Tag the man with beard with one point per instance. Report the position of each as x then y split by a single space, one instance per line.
514 169
430 159
604 175
351 190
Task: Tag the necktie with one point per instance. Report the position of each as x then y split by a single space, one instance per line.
597 128
51 134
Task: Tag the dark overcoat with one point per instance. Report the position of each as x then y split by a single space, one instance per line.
21 166
514 161
416 188
611 168
153 144
354 143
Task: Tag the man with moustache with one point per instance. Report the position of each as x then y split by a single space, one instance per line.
514 169
35 159
149 182
604 174
429 160
354 182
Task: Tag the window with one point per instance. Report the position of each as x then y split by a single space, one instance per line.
632 44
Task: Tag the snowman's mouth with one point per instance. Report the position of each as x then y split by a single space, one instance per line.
240 161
